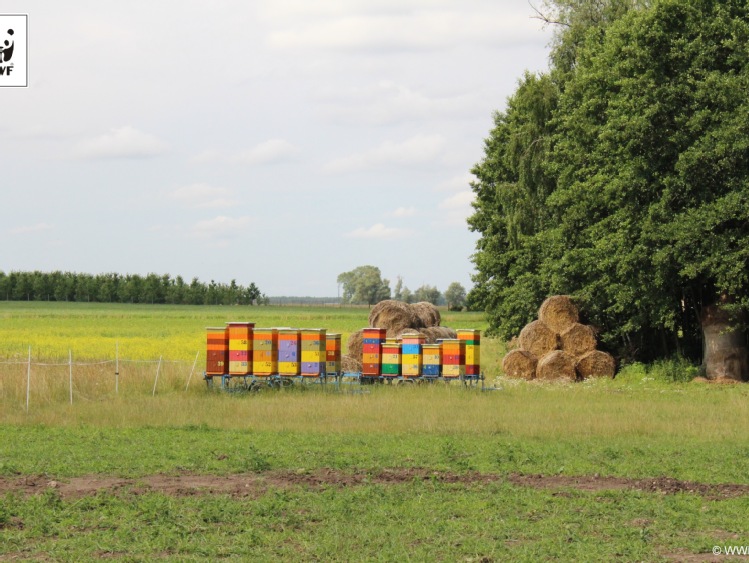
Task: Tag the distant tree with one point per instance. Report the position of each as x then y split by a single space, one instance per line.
407 296
455 295
364 285
398 290
428 293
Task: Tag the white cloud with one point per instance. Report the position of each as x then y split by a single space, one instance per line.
414 29
456 183
378 231
201 195
389 102
405 212
458 207
267 152
28 229
121 142
220 227
416 150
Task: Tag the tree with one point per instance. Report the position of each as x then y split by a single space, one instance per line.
646 147
428 293
398 290
364 284
455 295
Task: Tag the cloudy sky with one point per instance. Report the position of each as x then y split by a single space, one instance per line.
280 142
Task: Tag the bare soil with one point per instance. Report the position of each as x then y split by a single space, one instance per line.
256 484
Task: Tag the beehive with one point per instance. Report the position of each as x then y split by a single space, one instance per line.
217 351
313 351
289 359
431 356
240 347
391 359
453 358
411 354
332 354
265 351
472 341
372 341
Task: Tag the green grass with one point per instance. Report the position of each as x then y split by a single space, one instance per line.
176 332
649 422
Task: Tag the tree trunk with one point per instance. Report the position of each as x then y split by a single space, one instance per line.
726 353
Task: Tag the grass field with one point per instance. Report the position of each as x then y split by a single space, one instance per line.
633 469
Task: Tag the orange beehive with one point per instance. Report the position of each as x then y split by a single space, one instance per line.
265 351
217 351
240 347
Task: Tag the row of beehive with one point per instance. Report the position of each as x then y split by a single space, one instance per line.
411 356
240 349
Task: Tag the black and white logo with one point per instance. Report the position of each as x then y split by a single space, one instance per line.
13 50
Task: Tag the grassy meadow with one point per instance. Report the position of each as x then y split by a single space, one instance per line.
484 475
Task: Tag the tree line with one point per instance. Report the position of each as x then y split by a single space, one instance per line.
365 285
129 288
621 176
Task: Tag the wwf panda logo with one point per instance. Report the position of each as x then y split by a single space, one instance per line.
6 48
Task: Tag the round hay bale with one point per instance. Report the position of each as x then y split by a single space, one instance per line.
407 331
427 314
520 364
355 344
350 365
556 365
538 339
558 312
393 315
578 340
596 364
434 333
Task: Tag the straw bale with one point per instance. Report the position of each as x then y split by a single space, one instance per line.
520 364
556 365
427 314
538 339
558 312
350 364
393 315
596 364
578 340
356 344
433 333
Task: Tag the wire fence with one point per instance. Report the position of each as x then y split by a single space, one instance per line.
46 380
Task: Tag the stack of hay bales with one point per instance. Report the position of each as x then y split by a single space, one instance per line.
558 346
398 318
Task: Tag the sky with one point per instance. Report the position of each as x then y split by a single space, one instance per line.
280 142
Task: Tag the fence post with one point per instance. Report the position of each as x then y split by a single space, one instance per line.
70 364
157 377
192 370
116 367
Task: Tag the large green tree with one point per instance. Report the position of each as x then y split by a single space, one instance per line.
364 285
646 178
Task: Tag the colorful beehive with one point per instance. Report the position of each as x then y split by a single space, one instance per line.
240 347
411 356
217 351
431 356
265 351
391 358
372 340
453 358
289 357
333 354
313 351
472 339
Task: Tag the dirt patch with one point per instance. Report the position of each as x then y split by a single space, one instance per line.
662 485
256 484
